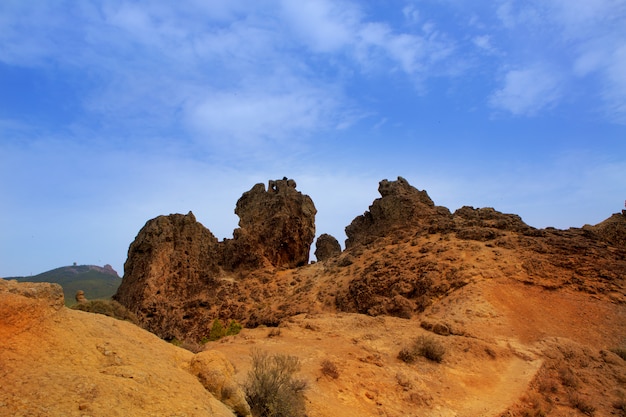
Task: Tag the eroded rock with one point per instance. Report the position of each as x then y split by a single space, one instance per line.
401 206
326 247
276 227
216 374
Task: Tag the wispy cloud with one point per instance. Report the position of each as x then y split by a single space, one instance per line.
583 39
527 91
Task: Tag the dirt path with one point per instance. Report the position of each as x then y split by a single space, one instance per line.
510 384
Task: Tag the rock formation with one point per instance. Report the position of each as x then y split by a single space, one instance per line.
174 277
401 206
172 262
326 247
80 297
402 256
276 228
550 258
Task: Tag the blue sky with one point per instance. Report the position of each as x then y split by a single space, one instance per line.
113 112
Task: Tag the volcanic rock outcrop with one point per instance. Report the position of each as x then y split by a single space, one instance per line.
401 206
178 277
550 258
172 261
402 256
276 228
326 246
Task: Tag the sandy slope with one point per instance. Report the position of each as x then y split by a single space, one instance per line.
70 363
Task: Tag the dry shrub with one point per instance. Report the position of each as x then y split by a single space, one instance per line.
620 405
407 355
330 369
109 308
426 346
620 351
272 390
275 332
548 385
581 404
568 378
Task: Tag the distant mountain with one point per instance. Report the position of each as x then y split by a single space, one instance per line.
97 282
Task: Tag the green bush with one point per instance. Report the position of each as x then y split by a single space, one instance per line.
234 328
272 390
217 330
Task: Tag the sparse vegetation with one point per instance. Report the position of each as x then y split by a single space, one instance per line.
426 346
620 405
581 404
218 331
109 308
620 351
272 390
330 369
234 327
568 378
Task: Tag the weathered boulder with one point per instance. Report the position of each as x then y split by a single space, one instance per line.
23 304
217 375
276 228
326 247
80 297
401 206
172 263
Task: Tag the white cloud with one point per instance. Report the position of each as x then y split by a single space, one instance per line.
411 14
484 43
254 118
325 26
527 91
615 91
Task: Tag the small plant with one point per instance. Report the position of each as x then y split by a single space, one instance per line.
582 405
407 355
275 332
272 390
568 378
217 330
330 369
234 327
425 346
620 351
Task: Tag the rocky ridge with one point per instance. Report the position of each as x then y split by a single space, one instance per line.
179 277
